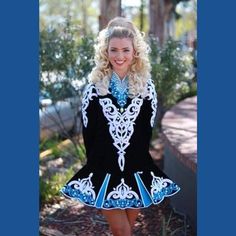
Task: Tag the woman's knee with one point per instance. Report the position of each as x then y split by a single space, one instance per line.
121 230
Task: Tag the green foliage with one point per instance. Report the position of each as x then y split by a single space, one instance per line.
48 143
85 55
61 51
66 59
80 152
172 72
60 90
58 47
64 56
53 144
84 14
49 188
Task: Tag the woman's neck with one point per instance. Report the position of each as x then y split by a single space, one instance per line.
121 76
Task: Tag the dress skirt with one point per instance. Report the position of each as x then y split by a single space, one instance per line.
139 189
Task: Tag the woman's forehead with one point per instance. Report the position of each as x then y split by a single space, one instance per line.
120 42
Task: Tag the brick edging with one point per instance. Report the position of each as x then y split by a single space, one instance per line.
185 159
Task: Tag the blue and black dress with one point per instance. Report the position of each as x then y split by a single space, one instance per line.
119 172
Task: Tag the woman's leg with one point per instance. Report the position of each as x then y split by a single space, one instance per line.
132 215
118 221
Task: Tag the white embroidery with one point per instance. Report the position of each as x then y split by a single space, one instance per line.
152 96
122 191
88 94
158 183
85 186
121 125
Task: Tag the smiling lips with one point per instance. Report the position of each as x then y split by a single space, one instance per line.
119 62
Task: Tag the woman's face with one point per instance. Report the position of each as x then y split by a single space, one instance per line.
120 55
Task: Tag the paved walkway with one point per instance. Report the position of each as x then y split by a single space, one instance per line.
180 131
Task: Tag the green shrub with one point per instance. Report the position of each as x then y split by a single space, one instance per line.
49 188
172 72
64 56
52 144
49 143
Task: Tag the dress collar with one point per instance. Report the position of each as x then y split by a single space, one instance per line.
117 78
119 89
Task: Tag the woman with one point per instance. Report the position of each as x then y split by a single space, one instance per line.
118 112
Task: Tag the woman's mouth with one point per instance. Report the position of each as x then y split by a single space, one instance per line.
119 62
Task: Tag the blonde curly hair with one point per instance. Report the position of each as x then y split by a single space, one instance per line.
140 68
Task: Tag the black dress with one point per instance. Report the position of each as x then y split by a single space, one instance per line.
119 172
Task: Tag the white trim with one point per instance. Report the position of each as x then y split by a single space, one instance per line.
152 95
121 125
85 186
88 96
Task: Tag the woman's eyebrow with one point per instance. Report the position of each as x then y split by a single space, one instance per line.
118 48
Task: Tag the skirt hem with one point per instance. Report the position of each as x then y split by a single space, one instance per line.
121 208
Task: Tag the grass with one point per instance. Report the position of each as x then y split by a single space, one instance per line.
51 143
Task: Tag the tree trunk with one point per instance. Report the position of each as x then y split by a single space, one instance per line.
108 10
159 13
141 10
84 17
156 19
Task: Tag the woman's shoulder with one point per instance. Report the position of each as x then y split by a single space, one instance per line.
150 83
151 90
89 87
89 91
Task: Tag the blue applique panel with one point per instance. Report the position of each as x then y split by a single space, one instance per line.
119 89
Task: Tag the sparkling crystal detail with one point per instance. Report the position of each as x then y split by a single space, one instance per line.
119 89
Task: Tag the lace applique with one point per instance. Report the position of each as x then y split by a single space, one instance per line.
122 196
121 125
81 189
161 187
88 95
152 96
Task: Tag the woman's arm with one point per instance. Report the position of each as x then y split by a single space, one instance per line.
89 114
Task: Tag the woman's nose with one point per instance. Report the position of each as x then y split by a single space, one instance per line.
119 55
